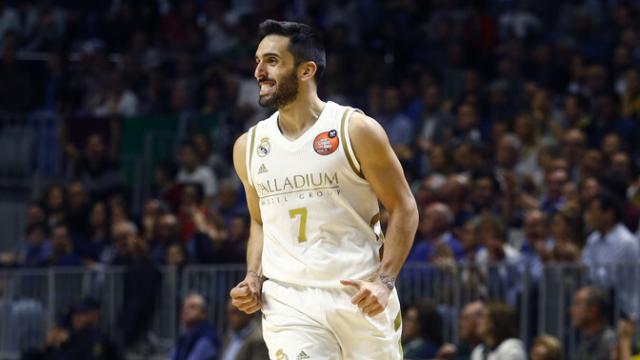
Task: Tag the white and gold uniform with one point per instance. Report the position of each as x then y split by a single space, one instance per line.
320 220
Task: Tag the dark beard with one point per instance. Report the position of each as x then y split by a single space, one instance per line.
285 94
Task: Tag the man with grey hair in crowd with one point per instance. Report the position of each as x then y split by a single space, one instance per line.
467 334
434 231
199 340
590 314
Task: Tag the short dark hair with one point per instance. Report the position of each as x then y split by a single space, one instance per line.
599 298
609 202
304 42
430 321
504 321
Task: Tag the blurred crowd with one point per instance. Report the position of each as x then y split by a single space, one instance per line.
517 122
489 330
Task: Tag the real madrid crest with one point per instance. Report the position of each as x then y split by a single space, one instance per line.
264 147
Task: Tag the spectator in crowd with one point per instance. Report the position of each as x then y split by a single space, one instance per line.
199 341
536 247
589 315
141 285
421 331
62 249
484 193
117 100
166 232
77 210
467 334
492 235
546 347
497 329
244 340
176 256
55 205
77 335
192 171
96 170
398 126
553 198
37 250
435 120
165 187
435 228
574 144
610 241
567 235
87 341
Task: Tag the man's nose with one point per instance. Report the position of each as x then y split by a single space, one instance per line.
260 71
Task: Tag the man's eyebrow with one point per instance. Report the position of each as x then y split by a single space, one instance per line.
267 54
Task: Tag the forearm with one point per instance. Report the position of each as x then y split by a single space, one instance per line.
401 230
254 248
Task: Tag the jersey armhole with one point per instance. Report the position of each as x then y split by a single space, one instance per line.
249 152
348 149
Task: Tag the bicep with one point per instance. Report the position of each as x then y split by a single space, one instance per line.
239 163
379 164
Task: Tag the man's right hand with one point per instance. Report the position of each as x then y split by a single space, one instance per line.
246 296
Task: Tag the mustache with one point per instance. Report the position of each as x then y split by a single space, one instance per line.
265 79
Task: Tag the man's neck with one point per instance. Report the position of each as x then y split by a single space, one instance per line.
300 115
604 230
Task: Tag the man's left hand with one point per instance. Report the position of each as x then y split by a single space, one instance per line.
372 296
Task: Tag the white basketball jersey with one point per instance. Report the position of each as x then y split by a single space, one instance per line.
320 216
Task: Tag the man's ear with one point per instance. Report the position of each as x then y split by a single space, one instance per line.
307 70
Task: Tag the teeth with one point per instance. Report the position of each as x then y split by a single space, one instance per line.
265 87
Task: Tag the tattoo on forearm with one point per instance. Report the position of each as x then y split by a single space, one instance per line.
387 280
254 274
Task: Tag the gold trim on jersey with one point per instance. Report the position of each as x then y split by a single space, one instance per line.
252 143
343 134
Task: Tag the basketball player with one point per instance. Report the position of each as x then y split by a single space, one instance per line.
313 173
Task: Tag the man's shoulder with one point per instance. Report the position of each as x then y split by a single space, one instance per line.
623 233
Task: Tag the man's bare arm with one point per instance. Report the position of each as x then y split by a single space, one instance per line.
383 171
246 295
381 168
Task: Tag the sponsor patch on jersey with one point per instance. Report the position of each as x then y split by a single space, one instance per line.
264 147
327 142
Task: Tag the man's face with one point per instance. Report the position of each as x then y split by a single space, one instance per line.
95 147
594 216
59 237
469 321
276 72
535 226
188 157
483 324
193 310
483 191
554 182
580 309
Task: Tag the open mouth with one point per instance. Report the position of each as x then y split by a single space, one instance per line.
267 87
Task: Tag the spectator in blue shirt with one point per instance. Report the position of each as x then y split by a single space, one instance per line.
611 241
199 341
536 247
62 250
244 339
37 249
435 229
